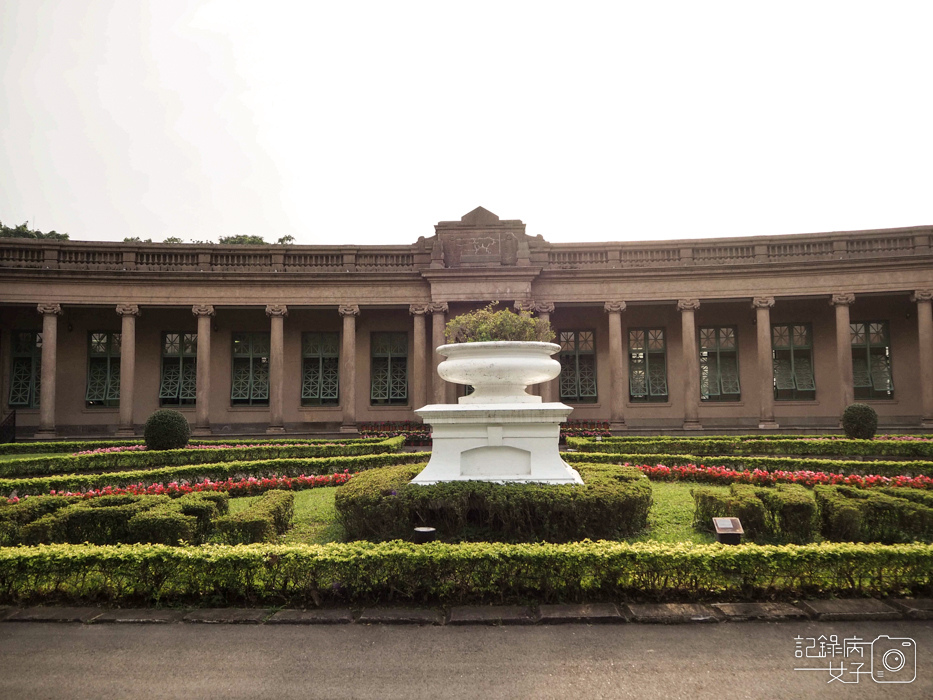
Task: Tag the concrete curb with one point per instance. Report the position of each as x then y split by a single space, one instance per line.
549 614
855 609
673 613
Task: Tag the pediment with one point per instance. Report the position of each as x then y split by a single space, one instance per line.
479 217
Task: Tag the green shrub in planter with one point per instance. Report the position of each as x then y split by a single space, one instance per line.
859 421
485 325
381 504
166 430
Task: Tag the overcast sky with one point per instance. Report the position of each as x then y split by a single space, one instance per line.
368 122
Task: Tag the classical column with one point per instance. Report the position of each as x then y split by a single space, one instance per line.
129 312
50 314
762 306
691 362
419 378
202 421
349 312
616 369
842 302
276 314
544 309
438 311
529 306
923 298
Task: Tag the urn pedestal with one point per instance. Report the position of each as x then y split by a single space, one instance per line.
499 432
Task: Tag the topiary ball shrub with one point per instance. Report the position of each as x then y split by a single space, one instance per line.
859 421
166 430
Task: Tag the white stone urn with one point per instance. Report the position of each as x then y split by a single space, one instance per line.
499 371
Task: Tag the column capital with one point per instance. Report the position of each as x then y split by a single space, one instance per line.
419 309
524 305
762 302
348 310
49 309
544 307
688 304
922 295
276 310
439 307
202 310
846 299
128 310
615 307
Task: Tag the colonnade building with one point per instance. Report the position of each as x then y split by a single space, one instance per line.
737 334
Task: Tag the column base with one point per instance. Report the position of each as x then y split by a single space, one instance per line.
201 431
125 432
45 435
617 425
693 425
768 425
275 430
349 429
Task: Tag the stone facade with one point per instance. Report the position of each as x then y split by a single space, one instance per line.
777 332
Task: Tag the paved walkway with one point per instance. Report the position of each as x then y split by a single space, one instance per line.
232 661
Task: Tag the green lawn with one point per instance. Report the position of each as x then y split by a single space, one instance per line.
315 520
670 518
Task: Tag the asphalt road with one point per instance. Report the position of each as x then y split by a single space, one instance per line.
723 661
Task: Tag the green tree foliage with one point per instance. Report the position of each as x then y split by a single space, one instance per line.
23 231
242 239
286 240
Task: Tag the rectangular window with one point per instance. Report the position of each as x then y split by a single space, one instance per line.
577 366
25 369
647 364
871 360
179 369
719 364
250 384
792 359
320 369
389 369
103 369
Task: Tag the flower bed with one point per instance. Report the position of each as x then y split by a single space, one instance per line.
247 486
760 477
585 428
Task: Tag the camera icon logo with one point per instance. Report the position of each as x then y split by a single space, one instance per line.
893 659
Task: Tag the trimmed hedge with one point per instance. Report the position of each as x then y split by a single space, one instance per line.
754 445
189 518
860 515
115 519
782 513
271 467
381 505
103 520
70 446
764 463
453 574
124 461
269 516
